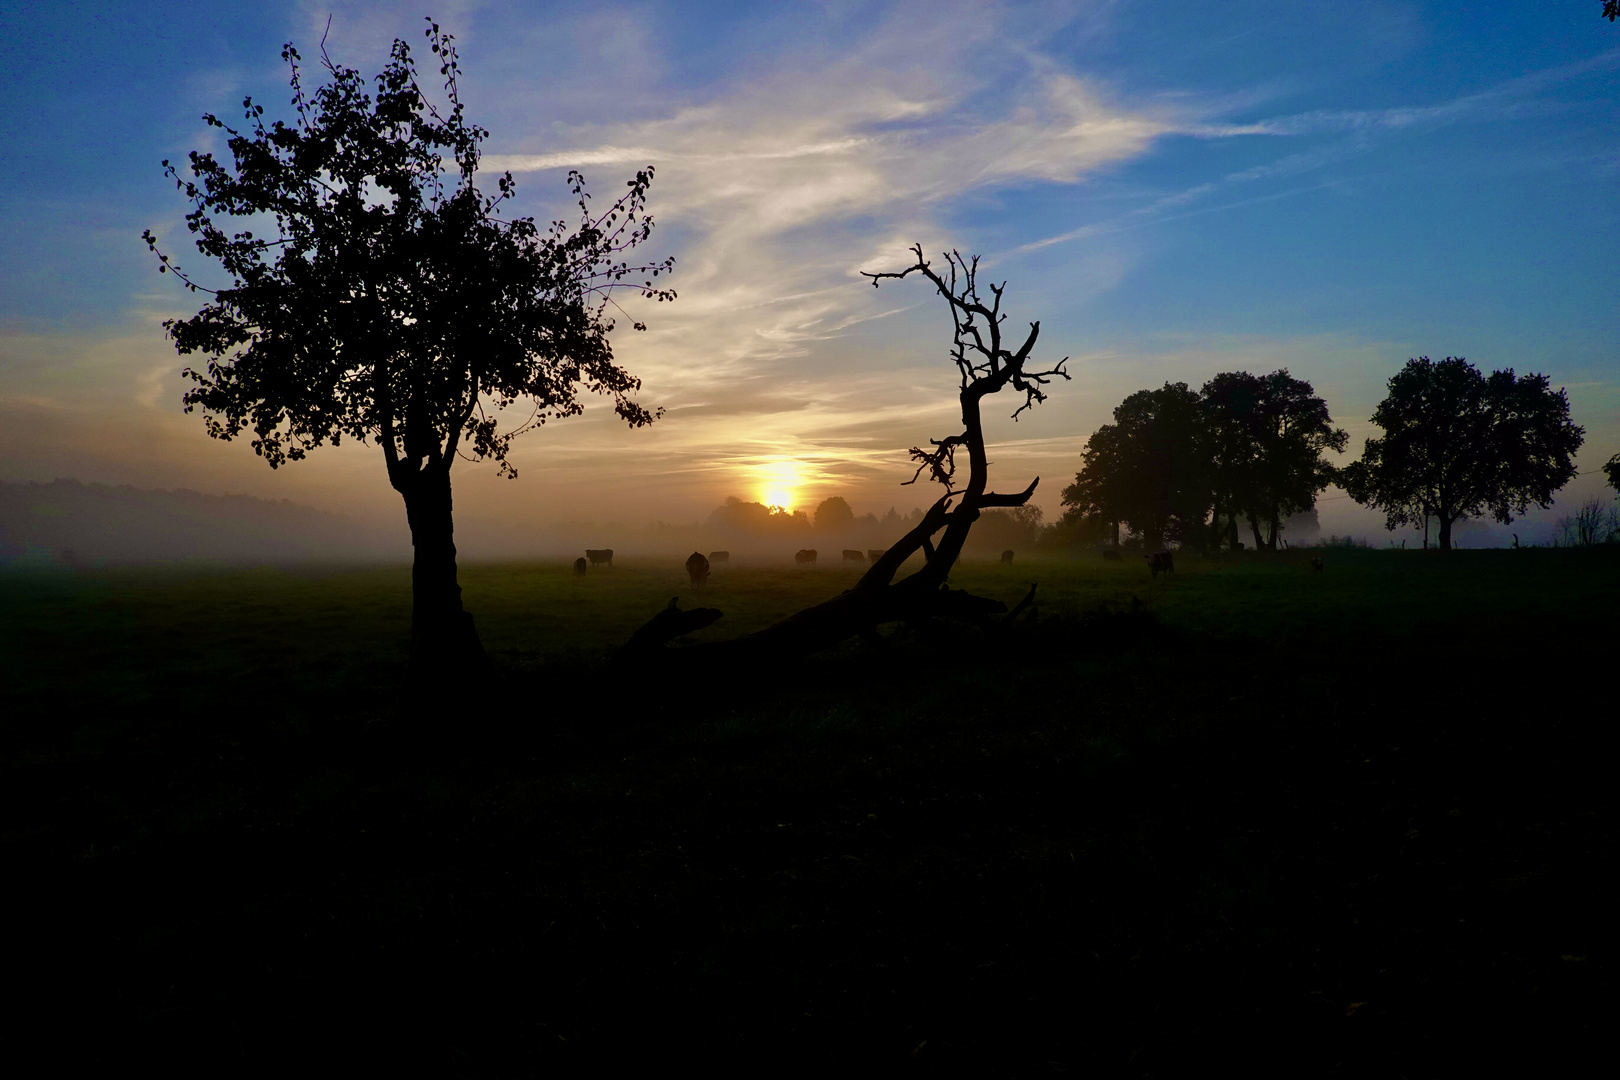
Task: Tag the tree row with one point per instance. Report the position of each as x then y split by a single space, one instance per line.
1246 452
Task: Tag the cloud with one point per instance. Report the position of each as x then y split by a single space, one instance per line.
790 177
1516 99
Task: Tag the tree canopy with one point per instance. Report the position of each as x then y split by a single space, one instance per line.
1266 436
1460 444
391 302
834 515
1148 468
1246 445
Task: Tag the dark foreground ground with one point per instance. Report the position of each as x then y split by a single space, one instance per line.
1354 823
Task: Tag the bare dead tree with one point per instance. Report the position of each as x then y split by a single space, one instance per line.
986 364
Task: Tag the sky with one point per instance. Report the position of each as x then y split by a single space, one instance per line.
1172 189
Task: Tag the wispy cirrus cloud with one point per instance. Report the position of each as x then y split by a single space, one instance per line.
786 183
1515 99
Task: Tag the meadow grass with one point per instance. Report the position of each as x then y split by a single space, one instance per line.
1338 822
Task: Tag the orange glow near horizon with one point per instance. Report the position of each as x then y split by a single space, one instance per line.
778 482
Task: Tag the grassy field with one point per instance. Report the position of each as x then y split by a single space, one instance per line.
1345 823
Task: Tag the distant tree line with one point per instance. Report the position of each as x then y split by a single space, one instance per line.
1179 466
754 527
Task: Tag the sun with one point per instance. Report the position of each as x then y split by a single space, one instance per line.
779 482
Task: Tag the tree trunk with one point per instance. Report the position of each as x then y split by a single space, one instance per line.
1445 533
442 634
1254 527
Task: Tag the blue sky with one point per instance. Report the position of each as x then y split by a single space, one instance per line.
1172 189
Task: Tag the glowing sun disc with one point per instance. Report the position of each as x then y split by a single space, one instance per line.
779 483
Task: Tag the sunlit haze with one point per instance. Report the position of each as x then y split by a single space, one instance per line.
1172 190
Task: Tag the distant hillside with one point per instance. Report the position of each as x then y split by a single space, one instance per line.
75 523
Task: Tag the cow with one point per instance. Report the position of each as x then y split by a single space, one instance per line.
1317 564
1110 555
698 567
874 554
805 555
851 555
1006 557
598 556
1161 561
579 567
719 556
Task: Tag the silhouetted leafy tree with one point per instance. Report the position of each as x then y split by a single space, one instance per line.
1265 436
752 519
1458 444
1149 468
1611 468
1611 9
834 516
1076 528
392 303
1100 492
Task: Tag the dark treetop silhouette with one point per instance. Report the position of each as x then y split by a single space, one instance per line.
1148 468
1457 444
1245 446
1266 435
394 303
985 365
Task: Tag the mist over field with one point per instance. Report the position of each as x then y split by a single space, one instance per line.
68 522
71 523
77 524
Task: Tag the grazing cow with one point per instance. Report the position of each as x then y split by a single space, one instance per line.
719 556
698 567
598 556
1161 561
851 555
1006 557
579 567
874 554
1316 564
1110 555
805 555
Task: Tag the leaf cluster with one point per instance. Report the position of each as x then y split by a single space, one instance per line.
377 293
1458 443
1244 444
